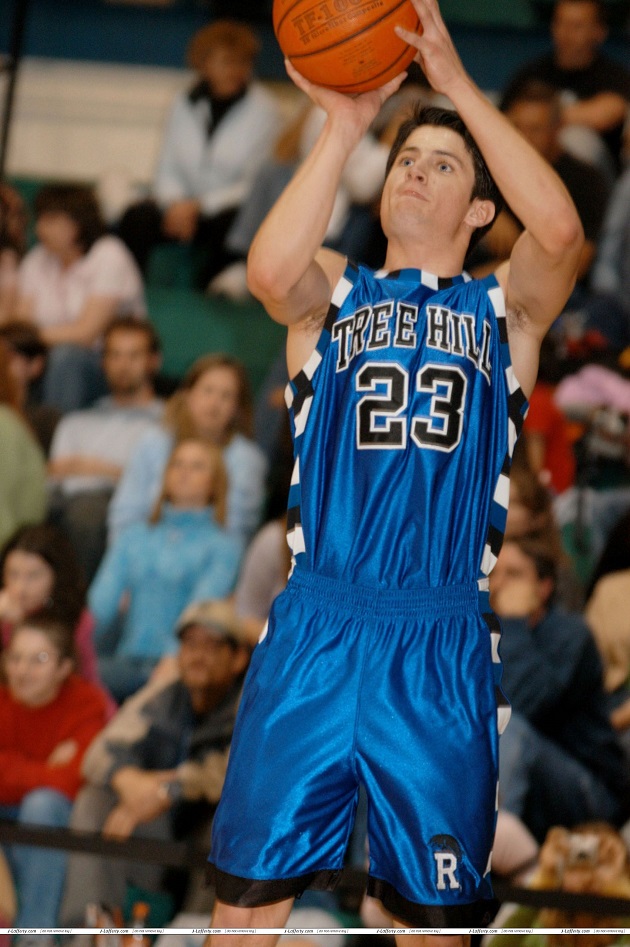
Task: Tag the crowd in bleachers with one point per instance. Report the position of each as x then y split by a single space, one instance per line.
141 519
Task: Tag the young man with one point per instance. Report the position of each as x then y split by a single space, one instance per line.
91 447
379 666
156 770
561 761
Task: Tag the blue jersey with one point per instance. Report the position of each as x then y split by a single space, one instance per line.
404 421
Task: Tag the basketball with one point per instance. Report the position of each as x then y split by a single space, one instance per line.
346 45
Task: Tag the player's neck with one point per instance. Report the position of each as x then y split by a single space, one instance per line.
441 261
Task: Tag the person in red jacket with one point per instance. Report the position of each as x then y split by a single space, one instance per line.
48 718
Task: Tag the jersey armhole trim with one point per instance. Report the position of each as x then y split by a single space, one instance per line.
302 382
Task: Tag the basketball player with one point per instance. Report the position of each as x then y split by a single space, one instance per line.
379 664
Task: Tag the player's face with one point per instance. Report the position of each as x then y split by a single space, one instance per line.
34 668
128 362
189 477
577 34
430 184
213 402
28 579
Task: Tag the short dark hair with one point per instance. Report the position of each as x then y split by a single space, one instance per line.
484 187
131 323
79 203
541 552
531 91
58 632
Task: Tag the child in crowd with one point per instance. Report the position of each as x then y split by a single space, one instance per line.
48 718
158 567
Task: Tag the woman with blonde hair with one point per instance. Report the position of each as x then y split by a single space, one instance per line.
214 403
179 555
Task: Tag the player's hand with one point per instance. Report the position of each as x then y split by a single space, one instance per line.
436 54
355 112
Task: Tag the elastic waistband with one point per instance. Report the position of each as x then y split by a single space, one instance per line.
447 599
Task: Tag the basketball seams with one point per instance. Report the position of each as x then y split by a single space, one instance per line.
384 75
351 36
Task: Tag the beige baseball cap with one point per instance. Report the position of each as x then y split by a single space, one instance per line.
217 615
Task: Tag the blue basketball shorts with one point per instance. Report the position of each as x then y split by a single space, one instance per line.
393 690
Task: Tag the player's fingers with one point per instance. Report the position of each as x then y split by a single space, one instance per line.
392 86
430 17
413 39
296 76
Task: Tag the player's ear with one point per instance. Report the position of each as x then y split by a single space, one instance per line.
480 213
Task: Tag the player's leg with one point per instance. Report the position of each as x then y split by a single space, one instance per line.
433 940
430 830
264 916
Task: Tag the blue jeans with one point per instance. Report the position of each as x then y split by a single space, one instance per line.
39 873
73 378
544 785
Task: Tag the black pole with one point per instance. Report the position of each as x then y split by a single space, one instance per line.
15 52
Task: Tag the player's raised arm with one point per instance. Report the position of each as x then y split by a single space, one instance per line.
541 272
287 270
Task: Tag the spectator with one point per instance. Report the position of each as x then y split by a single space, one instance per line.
611 270
27 362
157 769
615 555
91 447
12 246
590 860
39 570
22 463
560 762
531 512
352 219
548 435
181 556
606 612
595 89
70 285
48 717
213 402
534 108
264 574
203 172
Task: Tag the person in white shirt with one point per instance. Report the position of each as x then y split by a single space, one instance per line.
71 284
203 172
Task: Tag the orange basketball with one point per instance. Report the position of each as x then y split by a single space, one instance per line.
346 45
